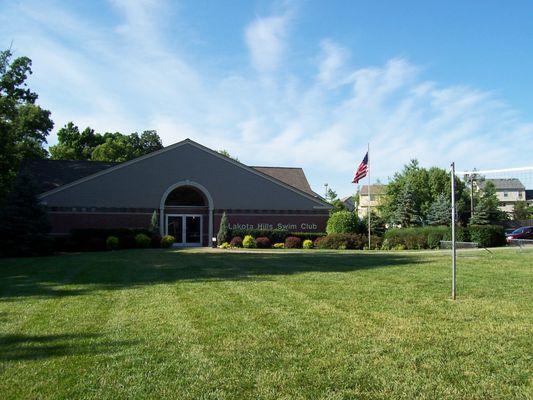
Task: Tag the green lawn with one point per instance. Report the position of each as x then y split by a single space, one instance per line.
222 325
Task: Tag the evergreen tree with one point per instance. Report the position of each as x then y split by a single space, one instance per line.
486 210
24 222
223 231
154 223
440 211
406 213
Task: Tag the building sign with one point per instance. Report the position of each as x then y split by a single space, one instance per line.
303 226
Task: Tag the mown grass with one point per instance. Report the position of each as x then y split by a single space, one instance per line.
221 325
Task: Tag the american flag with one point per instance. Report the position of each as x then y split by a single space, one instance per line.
362 170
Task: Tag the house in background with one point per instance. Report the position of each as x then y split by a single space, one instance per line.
349 203
529 197
508 191
372 198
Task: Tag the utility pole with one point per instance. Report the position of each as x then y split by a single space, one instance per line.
453 232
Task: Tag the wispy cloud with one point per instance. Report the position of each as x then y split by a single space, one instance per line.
266 38
126 76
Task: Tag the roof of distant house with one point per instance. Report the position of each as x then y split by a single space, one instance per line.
503 184
374 189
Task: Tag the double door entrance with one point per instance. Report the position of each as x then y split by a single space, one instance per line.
186 228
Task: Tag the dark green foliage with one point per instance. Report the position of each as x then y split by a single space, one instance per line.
142 241
486 210
342 241
293 242
440 211
112 243
411 192
24 125
487 235
227 154
95 239
415 238
236 242
223 235
521 211
24 224
263 242
344 222
114 147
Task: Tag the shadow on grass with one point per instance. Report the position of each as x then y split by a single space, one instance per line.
78 274
37 347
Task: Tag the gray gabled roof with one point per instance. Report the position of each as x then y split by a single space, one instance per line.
51 174
54 174
504 184
292 176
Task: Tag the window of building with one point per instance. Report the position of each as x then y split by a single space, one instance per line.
505 194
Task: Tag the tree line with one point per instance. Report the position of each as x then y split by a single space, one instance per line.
25 125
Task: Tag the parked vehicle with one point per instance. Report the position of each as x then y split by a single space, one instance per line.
525 232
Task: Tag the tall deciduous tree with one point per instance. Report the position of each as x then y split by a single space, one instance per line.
24 125
23 221
111 146
424 188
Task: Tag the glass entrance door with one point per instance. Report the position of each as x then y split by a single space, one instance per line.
187 229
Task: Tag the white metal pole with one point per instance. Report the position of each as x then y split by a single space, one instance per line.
369 195
453 233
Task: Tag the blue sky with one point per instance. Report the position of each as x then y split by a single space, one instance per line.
292 83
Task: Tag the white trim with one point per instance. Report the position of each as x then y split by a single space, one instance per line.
196 185
184 242
199 146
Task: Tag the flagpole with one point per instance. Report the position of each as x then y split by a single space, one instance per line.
369 196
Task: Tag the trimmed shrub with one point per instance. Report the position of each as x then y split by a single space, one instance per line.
343 222
275 235
487 235
236 242
342 241
427 237
307 244
95 239
112 242
224 246
142 241
263 243
308 235
249 242
167 241
293 242
279 245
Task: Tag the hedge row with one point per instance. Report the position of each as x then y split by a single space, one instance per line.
429 237
96 239
347 241
275 235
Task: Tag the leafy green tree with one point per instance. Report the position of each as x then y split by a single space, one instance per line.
223 231
440 211
344 222
24 125
486 210
227 154
23 221
520 210
425 186
75 145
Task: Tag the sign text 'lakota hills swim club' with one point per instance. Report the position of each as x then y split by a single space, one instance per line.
304 226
